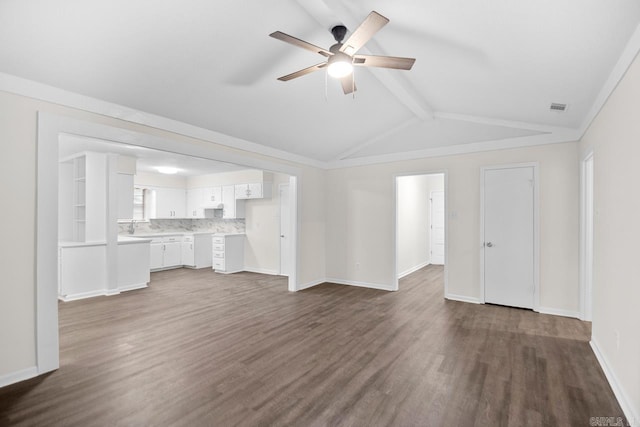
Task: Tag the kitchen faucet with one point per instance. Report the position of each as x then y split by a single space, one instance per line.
132 226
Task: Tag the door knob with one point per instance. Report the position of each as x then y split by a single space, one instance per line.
282 235
489 244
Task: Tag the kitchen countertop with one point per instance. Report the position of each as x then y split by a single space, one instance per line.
228 234
164 234
128 240
67 244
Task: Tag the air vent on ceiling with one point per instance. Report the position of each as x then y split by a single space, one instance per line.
558 107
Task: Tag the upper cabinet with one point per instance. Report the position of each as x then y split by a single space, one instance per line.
195 208
212 196
170 203
260 190
233 208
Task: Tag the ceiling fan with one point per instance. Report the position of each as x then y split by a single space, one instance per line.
341 57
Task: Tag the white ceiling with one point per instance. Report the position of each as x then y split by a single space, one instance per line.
147 160
485 71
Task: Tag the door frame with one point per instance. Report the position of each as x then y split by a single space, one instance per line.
394 257
586 237
289 231
536 227
50 126
431 222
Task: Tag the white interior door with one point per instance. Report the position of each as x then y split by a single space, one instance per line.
437 227
509 239
285 231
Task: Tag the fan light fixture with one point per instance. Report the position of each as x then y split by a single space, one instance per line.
167 170
340 65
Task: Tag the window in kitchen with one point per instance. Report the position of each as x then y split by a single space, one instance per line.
138 204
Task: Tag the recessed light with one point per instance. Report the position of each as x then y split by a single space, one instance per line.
168 170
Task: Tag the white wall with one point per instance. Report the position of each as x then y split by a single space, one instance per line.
360 208
18 135
414 220
614 137
160 180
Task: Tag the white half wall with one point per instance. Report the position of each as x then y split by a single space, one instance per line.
614 137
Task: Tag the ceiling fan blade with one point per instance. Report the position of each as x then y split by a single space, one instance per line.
364 32
384 61
302 72
300 43
348 84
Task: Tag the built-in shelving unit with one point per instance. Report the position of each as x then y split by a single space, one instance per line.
86 183
79 198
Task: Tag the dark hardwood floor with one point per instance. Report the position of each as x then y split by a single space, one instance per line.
198 348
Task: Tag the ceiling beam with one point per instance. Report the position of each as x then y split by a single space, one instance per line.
329 13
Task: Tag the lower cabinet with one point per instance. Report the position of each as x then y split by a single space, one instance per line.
188 254
228 253
166 252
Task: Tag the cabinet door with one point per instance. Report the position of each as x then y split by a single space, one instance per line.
194 203
172 254
229 201
155 256
212 196
170 203
188 254
249 191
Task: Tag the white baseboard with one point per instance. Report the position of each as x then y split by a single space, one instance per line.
101 293
82 295
310 284
378 286
558 312
132 287
462 298
632 414
413 269
21 375
262 271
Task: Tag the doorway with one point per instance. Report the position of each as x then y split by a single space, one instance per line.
509 235
420 223
50 128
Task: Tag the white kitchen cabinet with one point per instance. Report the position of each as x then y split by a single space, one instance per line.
233 208
165 252
253 191
155 254
195 197
188 252
170 203
172 251
212 196
228 253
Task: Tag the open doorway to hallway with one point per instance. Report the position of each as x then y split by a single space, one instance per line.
420 222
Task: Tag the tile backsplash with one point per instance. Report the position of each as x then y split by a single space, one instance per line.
215 225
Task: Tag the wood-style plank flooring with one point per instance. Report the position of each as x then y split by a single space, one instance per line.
199 348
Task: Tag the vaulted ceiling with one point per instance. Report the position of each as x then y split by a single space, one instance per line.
485 75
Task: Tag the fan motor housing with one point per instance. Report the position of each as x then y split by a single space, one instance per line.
339 31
